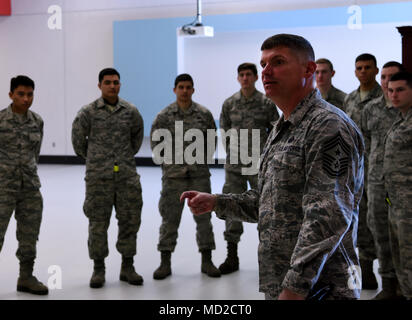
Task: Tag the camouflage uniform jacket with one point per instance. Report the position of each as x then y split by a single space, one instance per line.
178 122
377 119
19 150
335 96
306 205
353 105
397 168
106 138
256 112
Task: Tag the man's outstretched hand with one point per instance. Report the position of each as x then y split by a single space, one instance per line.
199 202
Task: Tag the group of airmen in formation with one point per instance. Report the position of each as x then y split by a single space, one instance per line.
334 175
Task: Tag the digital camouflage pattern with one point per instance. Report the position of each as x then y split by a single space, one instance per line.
256 112
101 197
397 171
20 142
108 138
353 107
171 209
239 112
377 119
195 117
178 178
306 205
105 138
335 96
20 150
235 182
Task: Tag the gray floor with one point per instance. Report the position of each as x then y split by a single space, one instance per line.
64 265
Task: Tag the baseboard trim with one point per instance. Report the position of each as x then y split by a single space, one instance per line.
140 161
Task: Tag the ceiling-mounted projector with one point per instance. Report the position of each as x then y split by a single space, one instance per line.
195 31
196 28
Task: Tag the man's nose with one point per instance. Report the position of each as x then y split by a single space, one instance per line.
266 70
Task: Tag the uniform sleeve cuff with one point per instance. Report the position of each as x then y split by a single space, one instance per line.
219 208
294 282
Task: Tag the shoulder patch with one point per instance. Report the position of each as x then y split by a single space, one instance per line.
335 156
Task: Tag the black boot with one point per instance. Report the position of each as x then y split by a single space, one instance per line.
98 277
207 265
164 270
27 282
389 290
368 277
231 263
128 273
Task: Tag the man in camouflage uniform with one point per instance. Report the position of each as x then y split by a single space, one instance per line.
21 134
108 133
310 185
397 171
377 117
247 109
368 90
324 74
179 120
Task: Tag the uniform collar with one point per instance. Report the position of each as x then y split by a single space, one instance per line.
375 92
408 114
298 113
303 107
176 109
10 114
101 103
330 92
241 97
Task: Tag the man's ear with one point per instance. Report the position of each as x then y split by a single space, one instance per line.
310 69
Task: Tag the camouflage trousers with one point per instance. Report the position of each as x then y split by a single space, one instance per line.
400 235
27 206
235 182
171 209
379 225
366 244
126 198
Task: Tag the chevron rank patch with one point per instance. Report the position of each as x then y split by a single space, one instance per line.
336 156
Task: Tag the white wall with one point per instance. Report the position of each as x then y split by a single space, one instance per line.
213 61
65 63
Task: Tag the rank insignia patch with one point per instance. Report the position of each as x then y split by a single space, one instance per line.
336 156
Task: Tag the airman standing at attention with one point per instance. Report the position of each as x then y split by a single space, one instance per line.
108 133
247 109
397 172
180 119
21 135
377 117
324 74
369 89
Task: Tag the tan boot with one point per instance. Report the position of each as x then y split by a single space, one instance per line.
231 264
128 273
28 283
164 270
207 265
98 277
